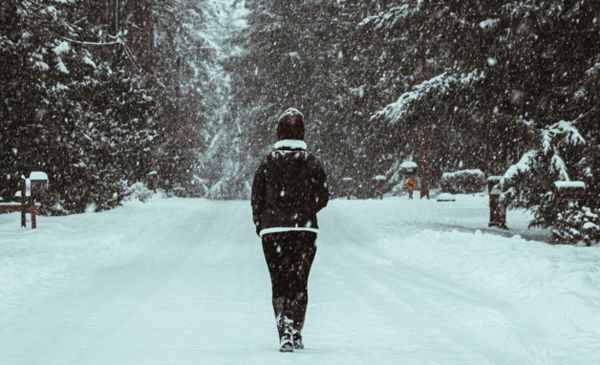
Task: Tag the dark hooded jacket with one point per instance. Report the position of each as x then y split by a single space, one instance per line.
289 188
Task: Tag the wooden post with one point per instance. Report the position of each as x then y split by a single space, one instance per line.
423 126
33 225
410 185
23 202
154 177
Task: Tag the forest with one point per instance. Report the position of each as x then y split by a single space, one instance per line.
100 94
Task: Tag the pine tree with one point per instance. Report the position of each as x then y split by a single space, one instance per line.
521 80
87 122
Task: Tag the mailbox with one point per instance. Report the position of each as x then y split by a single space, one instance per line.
570 191
379 182
493 181
409 167
39 184
497 211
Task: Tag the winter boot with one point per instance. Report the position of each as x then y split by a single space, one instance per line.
286 340
298 316
284 325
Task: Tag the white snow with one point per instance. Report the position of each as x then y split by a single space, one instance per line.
61 66
443 83
89 62
445 197
559 166
62 48
42 65
408 165
523 165
477 172
395 281
569 184
38 175
488 23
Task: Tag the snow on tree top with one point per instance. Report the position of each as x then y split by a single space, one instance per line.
62 47
495 178
569 184
408 165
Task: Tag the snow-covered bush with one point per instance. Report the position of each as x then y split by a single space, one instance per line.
463 182
577 226
139 191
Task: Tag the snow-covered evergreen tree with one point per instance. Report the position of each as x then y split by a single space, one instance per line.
520 79
87 122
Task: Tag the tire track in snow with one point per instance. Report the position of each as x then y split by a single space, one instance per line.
460 323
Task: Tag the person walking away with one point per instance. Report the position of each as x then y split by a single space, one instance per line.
289 188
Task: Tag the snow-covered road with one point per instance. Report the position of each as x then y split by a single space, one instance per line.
183 281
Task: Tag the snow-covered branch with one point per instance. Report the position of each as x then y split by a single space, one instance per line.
440 84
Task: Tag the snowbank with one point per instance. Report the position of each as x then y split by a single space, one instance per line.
563 282
35 262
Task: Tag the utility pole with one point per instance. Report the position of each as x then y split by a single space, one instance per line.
151 85
116 17
423 126
152 41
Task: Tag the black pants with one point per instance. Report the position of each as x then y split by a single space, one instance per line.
289 257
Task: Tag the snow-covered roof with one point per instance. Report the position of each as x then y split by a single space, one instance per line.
38 175
463 172
379 177
569 184
408 165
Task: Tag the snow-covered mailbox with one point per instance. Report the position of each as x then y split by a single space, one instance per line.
570 191
39 184
152 178
32 189
497 212
379 185
409 167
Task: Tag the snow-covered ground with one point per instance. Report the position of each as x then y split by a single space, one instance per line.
183 281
